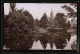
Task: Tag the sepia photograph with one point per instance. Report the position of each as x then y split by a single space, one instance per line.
40 26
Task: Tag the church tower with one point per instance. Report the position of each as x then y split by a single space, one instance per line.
51 14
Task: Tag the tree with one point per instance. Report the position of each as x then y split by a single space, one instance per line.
31 20
19 28
35 28
44 21
68 25
72 13
38 22
60 21
12 6
5 20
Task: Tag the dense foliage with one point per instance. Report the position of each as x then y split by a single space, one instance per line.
44 21
19 28
60 20
72 12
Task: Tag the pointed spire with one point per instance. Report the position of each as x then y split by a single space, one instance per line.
51 14
51 10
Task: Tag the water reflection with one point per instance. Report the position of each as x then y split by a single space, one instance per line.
42 41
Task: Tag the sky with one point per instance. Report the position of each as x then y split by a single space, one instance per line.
38 9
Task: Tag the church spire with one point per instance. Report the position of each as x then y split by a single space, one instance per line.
51 10
51 14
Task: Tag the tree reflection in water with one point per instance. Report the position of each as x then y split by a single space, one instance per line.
57 38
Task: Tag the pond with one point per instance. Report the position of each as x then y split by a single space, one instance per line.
46 41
